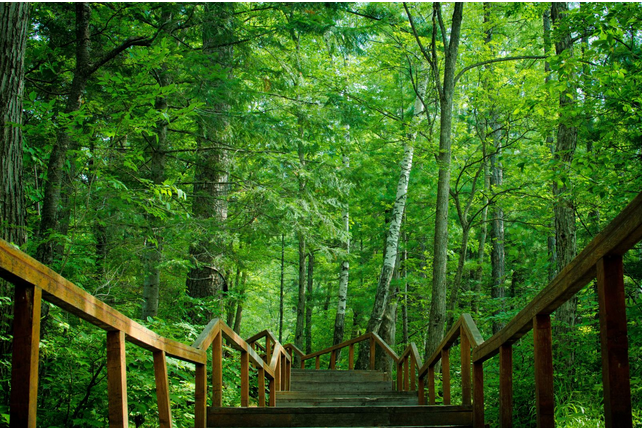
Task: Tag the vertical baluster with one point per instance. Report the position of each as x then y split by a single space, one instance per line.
544 396
506 386
478 394
277 375
422 392
162 390
333 359
302 363
400 375
288 374
261 387
217 371
351 357
614 342
445 371
245 379
431 385
116 379
268 349
413 378
317 362
405 373
24 363
200 397
372 353
272 386
464 347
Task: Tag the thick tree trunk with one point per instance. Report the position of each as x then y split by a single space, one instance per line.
309 304
438 303
208 278
339 321
388 329
497 259
458 276
483 231
14 27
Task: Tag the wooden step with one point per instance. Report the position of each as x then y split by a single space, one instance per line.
338 375
349 401
341 416
341 387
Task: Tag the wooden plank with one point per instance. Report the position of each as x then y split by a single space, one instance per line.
333 347
448 340
317 363
261 378
23 401
117 379
15 266
464 347
351 357
543 357
506 386
413 376
416 354
445 373
205 339
217 370
478 394
400 376
272 387
268 349
405 375
474 336
431 385
614 342
277 374
385 347
617 238
245 379
200 396
372 353
421 391
162 390
333 360
288 374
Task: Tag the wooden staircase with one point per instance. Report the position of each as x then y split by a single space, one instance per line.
342 398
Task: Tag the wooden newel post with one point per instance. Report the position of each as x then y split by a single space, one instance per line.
200 396
465 367
351 356
413 379
405 375
506 386
245 379
478 394
431 385
24 363
445 372
317 362
162 390
421 389
272 386
400 376
261 387
217 371
117 379
614 342
372 353
544 395
333 359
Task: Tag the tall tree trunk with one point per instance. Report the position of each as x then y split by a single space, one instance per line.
300 309
564 209
239 306
450 319
483 230
281 289
309 304
339 321
388 328
14 28
207 277
446 94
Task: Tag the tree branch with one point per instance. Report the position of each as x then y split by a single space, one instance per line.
498 60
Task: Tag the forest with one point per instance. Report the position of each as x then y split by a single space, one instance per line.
321 170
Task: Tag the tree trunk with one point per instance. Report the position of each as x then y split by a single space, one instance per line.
438 303
452 302
483 230
309 304
300 309
339 321
564 209
207 277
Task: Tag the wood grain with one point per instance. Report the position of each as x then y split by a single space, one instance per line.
200 396
431 385
117 379
245 379
543 358
261 378
506 386
614 342
217 370
445 372
465 367
162 390
351 356
478 394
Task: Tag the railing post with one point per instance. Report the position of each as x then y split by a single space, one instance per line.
200 396
372 353
413 378
245 379
261 387
351 357
317 362
217 371
116 379
614 342
421 391
431 385
268 349
288 373
506 386
24 363
272 386
478 394
277 375
405 373
162 390
333 359
445 372
464 347
400 376
544 395
303 364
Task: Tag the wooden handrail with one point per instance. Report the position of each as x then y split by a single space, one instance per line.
33 281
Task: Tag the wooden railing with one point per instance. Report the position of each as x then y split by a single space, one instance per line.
33 282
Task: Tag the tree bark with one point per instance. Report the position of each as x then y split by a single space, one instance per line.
207 277
339 321
446 94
